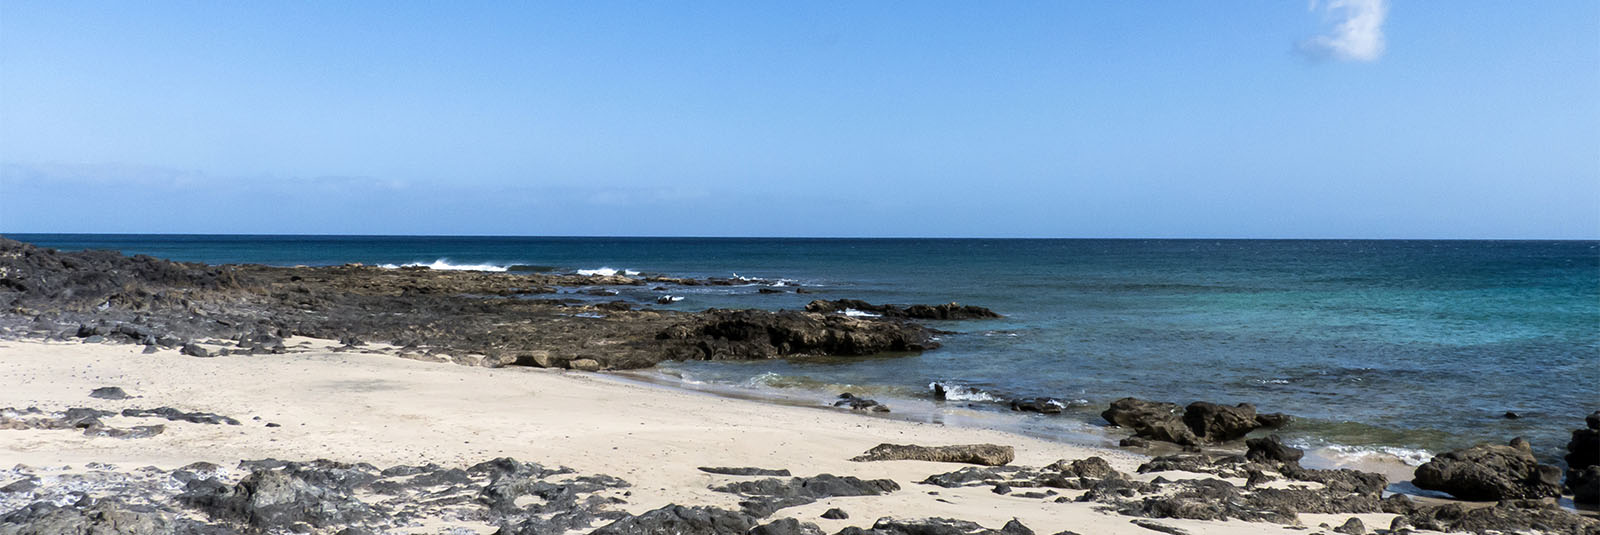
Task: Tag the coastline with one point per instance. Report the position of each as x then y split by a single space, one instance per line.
381 409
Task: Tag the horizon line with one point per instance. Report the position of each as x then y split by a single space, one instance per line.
738 237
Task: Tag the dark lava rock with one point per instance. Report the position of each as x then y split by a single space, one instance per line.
759 334
1153 420
948 311
138 431
108 392
318 494
1039 405
1353 526
1091 467
835 514
859 403
102 517
980 454
1272 449
934 526
680 520
1511 516
194 351
786 526
1583 461
1488 472
770 495
1157 526
180 416
1220 423
1134 442
746 471
1198 424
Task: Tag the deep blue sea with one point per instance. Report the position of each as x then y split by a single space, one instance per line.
1406 347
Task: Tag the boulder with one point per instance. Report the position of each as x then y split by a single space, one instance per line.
1220 423
1488 472
1583 458
760 334
681 520
1150 419
979 454
108 392
587 365
1272 449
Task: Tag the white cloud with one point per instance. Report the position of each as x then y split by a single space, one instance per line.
1357 34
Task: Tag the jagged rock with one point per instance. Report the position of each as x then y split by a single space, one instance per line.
1489 472
757 334
769 495
194 351
1039 405
317 494
103 517
180 416
680 520
1091 467
730 471
1272 449
1583 458
1199 423
947 311
786 526
932 526
835 514
980 454
1353 526
1220 423
108 392
859 403
1512 516
1150 419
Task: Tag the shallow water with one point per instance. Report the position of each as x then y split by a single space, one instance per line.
1407 347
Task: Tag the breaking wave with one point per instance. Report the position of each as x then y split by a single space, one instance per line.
445 264
607 272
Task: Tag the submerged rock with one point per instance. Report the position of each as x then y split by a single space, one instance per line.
980 454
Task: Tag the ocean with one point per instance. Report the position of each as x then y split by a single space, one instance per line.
1393 348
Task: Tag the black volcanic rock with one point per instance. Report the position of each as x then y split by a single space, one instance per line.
947 311
1490 472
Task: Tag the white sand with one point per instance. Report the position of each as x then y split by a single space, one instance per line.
386 410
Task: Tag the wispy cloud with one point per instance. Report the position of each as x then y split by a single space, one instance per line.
1357 33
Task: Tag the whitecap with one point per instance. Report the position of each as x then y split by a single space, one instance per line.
446 265
859 314
960 392
607 272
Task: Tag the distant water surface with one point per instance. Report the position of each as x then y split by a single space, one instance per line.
1406 347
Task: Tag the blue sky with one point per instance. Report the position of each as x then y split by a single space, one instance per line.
1349 118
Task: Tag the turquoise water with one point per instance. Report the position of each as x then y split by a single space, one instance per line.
1420 345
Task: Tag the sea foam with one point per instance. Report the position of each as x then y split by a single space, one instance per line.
607 272
445 264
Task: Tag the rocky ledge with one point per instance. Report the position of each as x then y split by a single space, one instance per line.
510 318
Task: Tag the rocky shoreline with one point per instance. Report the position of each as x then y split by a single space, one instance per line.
526 319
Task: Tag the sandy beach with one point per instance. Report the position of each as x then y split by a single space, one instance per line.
376 408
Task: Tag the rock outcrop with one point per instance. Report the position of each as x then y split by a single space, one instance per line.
1488 472
979 454
1583 461
947 311
1197 424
